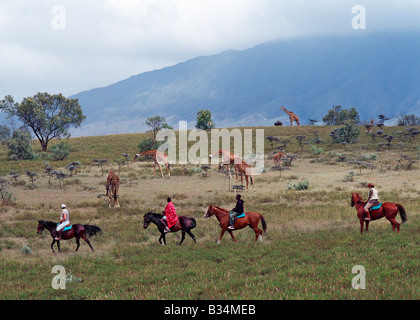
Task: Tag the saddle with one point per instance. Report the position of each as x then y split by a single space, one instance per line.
378 206
66 228
242 215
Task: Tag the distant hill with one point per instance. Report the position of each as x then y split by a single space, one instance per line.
373 73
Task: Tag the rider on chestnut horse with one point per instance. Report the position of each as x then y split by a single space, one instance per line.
238 210
372 201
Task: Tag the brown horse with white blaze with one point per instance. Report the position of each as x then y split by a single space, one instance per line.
251 219
388 210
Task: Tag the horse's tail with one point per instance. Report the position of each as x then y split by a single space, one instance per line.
264 225
92 230
193 223
403 214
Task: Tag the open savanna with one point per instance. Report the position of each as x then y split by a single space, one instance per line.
312 242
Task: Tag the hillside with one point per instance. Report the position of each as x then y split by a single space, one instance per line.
373 73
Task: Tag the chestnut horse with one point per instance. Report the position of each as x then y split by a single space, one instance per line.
77 231
251 219
388 210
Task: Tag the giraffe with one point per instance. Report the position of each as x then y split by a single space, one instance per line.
112 186
228 158
277 157
368 127
245 170
157 157
292 116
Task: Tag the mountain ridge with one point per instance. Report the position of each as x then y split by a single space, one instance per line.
373 73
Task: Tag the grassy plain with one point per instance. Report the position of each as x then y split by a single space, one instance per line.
311 245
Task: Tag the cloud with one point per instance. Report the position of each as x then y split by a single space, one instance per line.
105 41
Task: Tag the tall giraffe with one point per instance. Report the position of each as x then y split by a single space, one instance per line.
157 157
245 170
292 116
228 158
112 186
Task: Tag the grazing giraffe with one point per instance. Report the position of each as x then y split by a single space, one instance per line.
277 157
157 157
112 186
228 158
245 170
292 116
369 126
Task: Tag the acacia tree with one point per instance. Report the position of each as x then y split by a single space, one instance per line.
49 116
204 120
157 123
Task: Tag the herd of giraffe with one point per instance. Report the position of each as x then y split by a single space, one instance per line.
241 167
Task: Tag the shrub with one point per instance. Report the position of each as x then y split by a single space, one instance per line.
60 151
26 250
20 146
347 134
303 185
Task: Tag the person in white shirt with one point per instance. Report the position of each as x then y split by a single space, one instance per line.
64 221
373 200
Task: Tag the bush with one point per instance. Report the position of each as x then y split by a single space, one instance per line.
60 151
303 185
316 150
20 146
347 134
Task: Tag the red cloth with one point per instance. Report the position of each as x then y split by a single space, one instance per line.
171 216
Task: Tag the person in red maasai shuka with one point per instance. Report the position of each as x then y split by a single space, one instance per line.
171 216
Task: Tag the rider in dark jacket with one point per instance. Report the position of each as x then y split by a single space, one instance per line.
238 210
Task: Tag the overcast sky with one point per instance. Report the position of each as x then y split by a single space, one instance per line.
70 46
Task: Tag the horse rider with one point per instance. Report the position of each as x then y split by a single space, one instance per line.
170 218
64 221
238 210
373 200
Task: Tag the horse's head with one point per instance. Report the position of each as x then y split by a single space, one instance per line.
209 212
355 198
41 227
146 220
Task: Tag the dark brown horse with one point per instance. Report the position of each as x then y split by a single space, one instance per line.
388 210
251 219
77 231
184 224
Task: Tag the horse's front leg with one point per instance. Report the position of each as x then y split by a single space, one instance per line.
52 244
183 237
362 221
367 226
221 235
233 237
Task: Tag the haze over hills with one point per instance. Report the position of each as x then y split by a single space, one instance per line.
373 73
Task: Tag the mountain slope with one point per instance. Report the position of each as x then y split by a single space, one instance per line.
375 74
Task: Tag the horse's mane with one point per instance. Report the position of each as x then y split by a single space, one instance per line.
155 215
359 197
220 208
48 224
